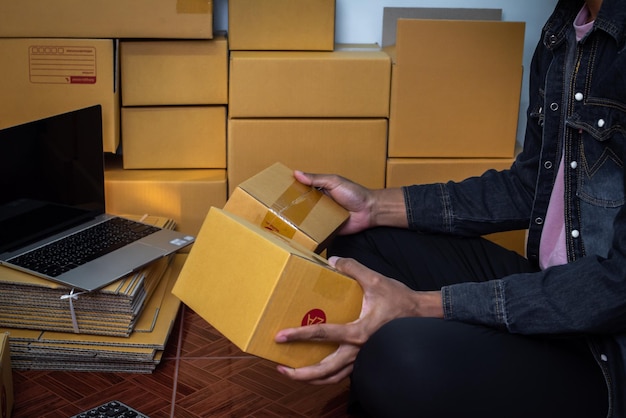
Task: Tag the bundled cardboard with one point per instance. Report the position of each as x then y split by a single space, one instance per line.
140 352
281 25
40 78
174 137
352 81
107 19
456 94
249 283
30 302
353 148
274 200
6 376
174 72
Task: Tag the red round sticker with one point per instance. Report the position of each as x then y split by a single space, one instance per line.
314 316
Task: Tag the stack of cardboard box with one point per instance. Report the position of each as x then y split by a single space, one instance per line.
297 98
173 118
454 102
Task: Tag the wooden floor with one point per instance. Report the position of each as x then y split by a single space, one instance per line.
201 375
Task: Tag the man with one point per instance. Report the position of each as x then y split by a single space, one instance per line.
453 325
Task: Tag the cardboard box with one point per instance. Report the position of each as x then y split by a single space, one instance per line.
174 72
353 148
392 14
249 283
107 19
6 386
455 95
182 195
274 200
40 78
174 137
281 25
407 171
352 81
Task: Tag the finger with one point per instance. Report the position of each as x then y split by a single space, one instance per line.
312 376
302 177
351 268
320 332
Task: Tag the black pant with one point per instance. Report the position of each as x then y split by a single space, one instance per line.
426 367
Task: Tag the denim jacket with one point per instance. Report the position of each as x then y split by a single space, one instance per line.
577 108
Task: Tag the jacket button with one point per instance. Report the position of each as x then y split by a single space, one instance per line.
554 107
603 357
539 221
579 96
575 233
548 165
573 164
601 123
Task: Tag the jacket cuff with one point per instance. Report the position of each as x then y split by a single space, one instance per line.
476 303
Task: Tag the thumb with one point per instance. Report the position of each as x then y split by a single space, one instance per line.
350 267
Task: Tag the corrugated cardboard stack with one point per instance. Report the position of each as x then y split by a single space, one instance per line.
295 97
454 99
122 327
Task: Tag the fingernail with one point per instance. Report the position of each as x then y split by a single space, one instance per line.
333 260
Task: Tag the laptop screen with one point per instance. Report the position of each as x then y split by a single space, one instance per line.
51 175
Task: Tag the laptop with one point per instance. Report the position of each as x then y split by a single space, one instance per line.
52 200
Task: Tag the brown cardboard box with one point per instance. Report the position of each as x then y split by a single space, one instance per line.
353 148
182 195
456 95
107 19
274 200
352 81
40 78
174 72
6 385
174 137
249 283
407 171
281 25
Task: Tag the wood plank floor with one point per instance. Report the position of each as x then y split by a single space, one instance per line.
201 375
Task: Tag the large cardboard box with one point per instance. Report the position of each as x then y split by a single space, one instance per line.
249 283
107 19
352 81
174 72
174 137
182 195
281 25
353 148
45 77
6 385
458 94
407 171
274 200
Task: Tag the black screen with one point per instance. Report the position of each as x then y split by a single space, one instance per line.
51 175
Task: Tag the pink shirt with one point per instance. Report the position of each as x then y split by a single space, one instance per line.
552 249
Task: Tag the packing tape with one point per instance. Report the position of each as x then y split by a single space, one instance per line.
194 6
291 208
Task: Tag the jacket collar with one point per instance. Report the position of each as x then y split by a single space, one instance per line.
611 19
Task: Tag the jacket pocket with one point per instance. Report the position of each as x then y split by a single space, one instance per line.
601 176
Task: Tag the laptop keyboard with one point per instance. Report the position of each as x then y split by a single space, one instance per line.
74 250
113 409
